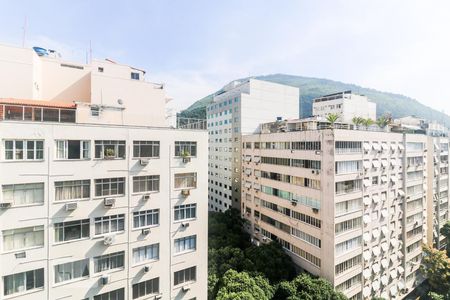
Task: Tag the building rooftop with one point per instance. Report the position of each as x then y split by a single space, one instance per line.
38 103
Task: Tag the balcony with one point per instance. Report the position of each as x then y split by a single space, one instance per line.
37 111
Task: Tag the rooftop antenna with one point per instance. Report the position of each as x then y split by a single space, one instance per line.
90 52
24 32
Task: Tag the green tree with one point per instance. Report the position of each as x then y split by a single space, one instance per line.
213 281
368 122
332 118
271 260
445 231
226 230
382 122
223 259
436 267
358 121
243 286
436 296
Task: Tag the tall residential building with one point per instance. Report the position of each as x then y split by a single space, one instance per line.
352 206
346 104
239 108
99 198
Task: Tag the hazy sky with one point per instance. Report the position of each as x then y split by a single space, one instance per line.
196 47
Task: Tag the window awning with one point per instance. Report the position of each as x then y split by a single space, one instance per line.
384 146
376 250
376 146
366 164
375 199
400 269
401 193
257 186
375 233
384 212
400 285
366 200
385 231
376 285
384 280
366 236
384 246
256 159
384 263
366 291
366 146
366 219
400 255
393 259
393 146
393 290
394 242
384 179
367 182
376 268
248 185
376 163
393 274
248 171
393 162
384 163
394 179
401 147
366 273
248 158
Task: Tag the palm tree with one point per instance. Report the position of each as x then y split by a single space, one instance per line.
382 122
358 121
332 118
367 122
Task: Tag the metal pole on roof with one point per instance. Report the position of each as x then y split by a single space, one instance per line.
24 32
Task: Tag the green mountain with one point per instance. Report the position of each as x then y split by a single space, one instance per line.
310 88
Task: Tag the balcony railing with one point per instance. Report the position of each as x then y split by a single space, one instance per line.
190 123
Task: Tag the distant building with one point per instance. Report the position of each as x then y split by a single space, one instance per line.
346 105
239 108
99 197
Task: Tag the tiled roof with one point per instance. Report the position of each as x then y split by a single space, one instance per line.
40 103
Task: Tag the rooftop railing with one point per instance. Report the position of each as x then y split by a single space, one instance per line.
36 114
190 123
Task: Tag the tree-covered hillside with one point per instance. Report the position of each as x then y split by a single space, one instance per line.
310 88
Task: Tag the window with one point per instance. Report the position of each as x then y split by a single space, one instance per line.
73 149
95 111
23 238
118 294
186 148
348 206
306 237
145 149
74 189
146 253
25 281
349 283
147 287
348 186
348 264
185 244
348 225
134 75
109 149
306 145
344 147
109 186
114 223
185 180
23 194
24 150
346 167
348 245
145 218
187 211
73 230
145 183
72 270
185 275
109 261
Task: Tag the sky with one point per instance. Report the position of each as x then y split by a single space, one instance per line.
196 47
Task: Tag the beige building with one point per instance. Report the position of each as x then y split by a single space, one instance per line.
352 206
99 198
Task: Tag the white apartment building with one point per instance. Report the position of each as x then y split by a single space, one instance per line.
99 198
239 108
352 206
346 104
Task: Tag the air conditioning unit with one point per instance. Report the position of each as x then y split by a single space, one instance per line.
315 210
145 231
146 197
313 171
22 254
144 161
185 192
109 202
71 206
186 159
294 203
104 280
4 205
146 269
186 288
185 225
158 297
108 240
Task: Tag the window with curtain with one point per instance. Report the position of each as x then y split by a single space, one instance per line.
184 244
149 183
72 270
23 194
73 189
118 294
187 211
73 230
346 167
146 253
22 282
109 224
145 218
23 238
185 275
147 287
109 261
186 148
109 149
185 180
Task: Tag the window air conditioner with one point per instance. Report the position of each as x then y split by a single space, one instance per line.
144 161
104 280
108 240
185 192
145 231
146 197
185 225
109 202
186 288
71 206
4 205
146 269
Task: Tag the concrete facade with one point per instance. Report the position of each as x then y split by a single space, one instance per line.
364 194
105 203
238 109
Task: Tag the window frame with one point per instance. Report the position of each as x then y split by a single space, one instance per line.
24 150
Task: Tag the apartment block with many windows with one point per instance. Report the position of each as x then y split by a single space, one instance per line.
98 199
237 109
348 205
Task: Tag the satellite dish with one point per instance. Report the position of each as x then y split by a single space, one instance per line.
120 101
